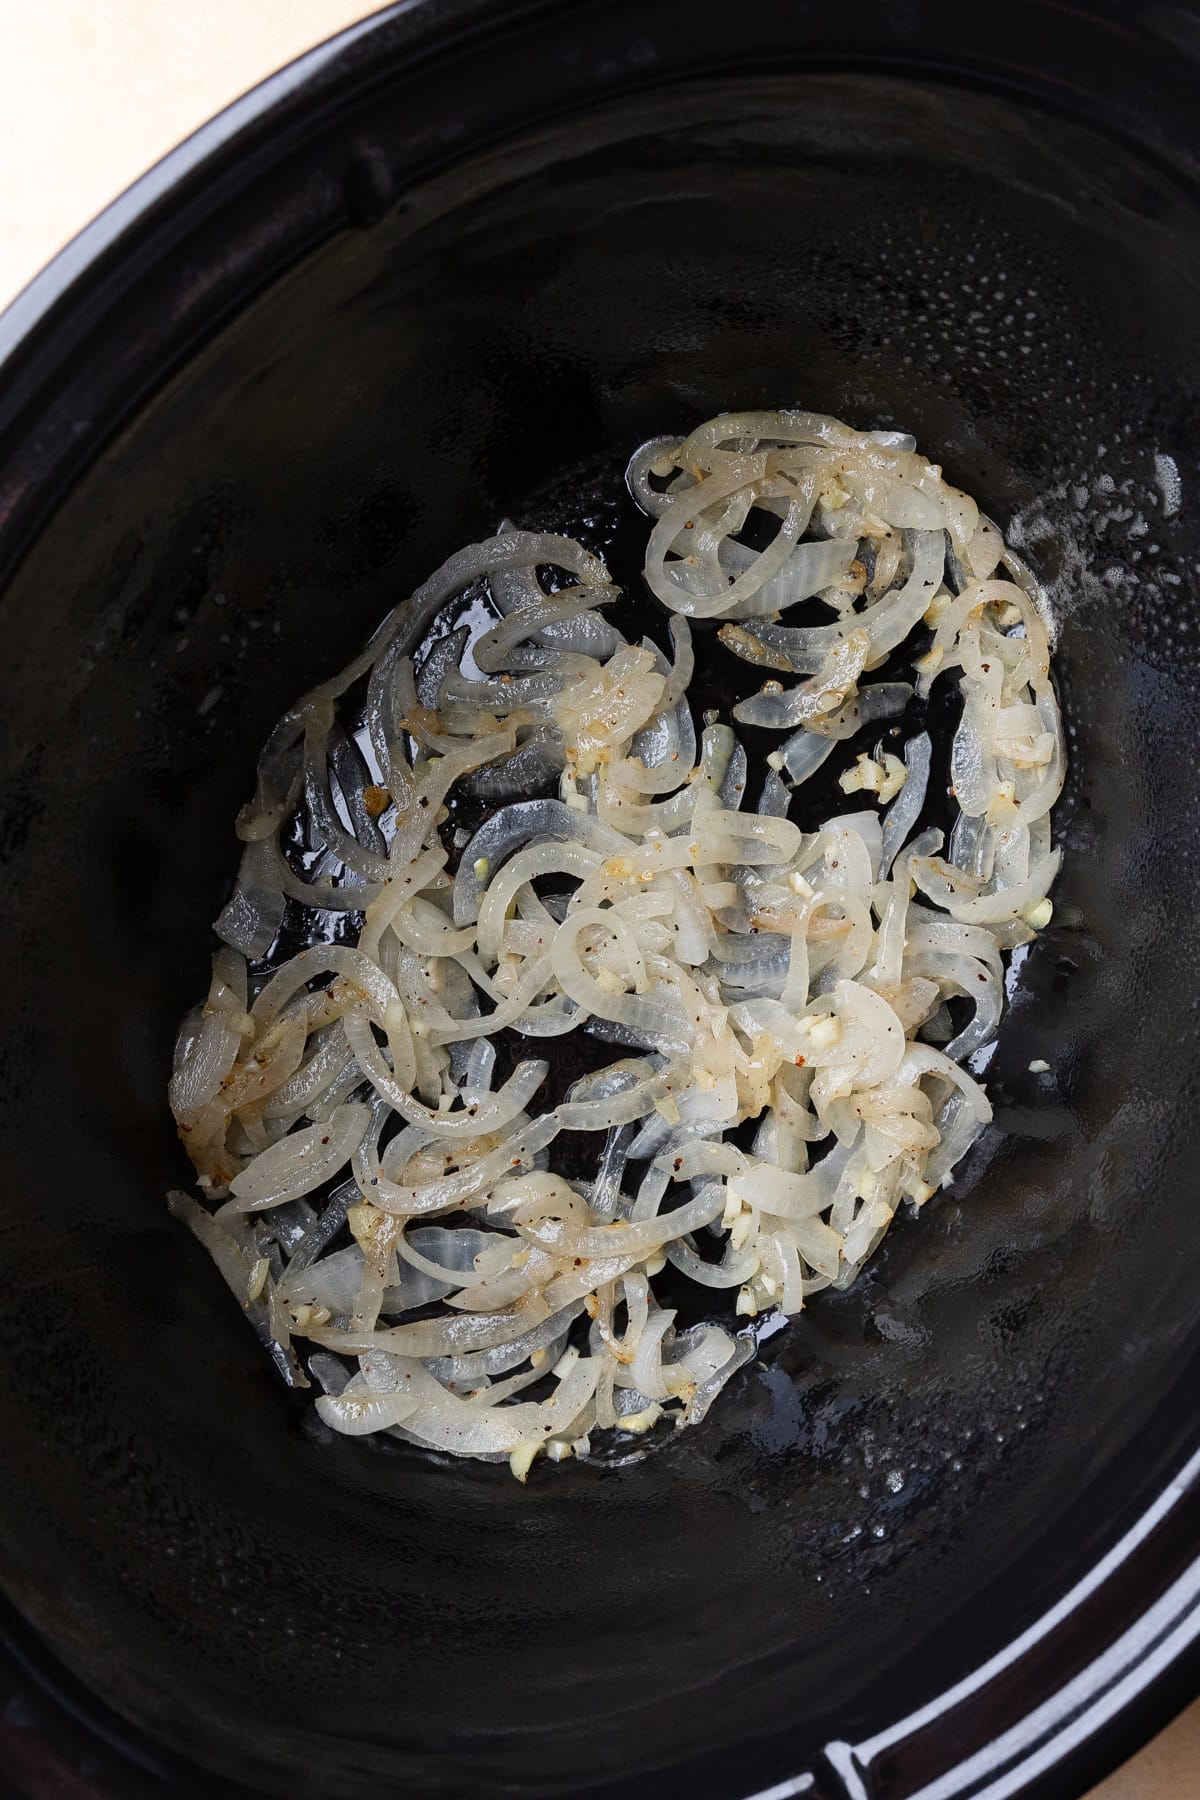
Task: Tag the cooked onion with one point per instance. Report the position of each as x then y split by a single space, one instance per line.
746 968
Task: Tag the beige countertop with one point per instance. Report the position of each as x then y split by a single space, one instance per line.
91 93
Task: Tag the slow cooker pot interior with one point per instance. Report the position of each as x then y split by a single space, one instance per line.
322 1617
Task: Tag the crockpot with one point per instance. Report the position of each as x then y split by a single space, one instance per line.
941 1539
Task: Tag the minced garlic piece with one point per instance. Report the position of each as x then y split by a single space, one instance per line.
824 1031
741 1228
641 1421
884 779
521 1460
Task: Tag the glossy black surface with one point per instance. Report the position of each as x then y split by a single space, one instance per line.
297 449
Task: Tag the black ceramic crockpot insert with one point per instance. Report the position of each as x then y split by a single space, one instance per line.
344 352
